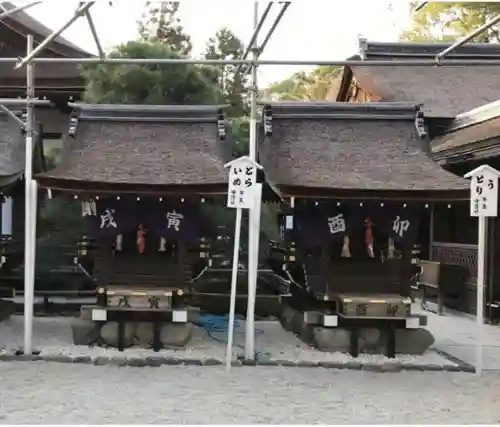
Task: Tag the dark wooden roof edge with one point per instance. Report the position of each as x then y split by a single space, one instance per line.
342 110
25 21
427 50
77 187
465 153
129 112
286 191
473 117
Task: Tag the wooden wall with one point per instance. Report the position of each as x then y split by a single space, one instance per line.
152 269
355 93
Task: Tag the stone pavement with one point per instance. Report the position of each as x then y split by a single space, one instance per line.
455 334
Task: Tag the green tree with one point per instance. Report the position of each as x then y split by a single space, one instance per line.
449 21
312 86
150 83
160 23
240 135
226 45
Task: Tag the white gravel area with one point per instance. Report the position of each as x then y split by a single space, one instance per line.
52 393
52 335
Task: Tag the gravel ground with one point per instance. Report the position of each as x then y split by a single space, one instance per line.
50 393
52 335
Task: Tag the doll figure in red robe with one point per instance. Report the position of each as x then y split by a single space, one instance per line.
141 239
369 237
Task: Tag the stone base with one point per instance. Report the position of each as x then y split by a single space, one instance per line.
371 340
109 334
85 332
413 341
175 334
171 335
141 334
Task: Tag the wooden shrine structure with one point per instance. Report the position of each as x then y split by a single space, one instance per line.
12 166
448 95
470 140
59 83
141 172
359 181
54 81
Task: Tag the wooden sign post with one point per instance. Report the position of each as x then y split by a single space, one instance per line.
483 204
240 195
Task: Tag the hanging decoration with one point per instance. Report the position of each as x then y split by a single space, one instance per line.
402 226
113 217
369 237
119 243
141 239
357 226
163 245
390 248
175 222
346 251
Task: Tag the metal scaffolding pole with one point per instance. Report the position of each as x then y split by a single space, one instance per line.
13 116
24 102
420 6
29 285
464 40
18 9
260 62
254 36
254 212
80 11
270 32
285 6
95 35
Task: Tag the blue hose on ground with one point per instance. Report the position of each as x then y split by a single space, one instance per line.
213 324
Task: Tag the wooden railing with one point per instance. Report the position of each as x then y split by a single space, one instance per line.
457 254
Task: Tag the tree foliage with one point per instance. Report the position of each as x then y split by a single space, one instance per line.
240 135
226 45
150 83
160 23
162 36
313 86
449 21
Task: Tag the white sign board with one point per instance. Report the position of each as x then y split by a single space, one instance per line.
483 204
483 191
242 180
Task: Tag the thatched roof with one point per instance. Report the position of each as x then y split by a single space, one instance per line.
128 147
346 147
443 91
13 149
